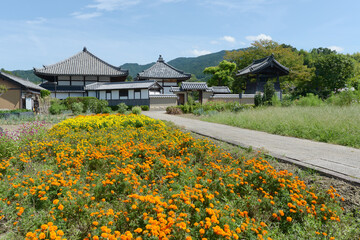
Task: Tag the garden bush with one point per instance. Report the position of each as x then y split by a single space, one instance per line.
44 93
136 110
309 100
122 108
77 108
57 108
145 107
344 98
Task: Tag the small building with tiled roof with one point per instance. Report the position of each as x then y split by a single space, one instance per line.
165 74
20 93
130 93
262 70
69 77
205 93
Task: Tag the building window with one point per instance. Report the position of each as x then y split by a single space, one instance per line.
123 93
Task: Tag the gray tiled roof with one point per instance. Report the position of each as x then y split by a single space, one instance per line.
163 96
175 89
226 96
121 85
83 63
193 86
262 64
21 81
162 70
220 89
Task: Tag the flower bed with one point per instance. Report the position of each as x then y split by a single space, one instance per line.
132 177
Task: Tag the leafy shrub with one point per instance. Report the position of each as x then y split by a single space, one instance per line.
269 92
145 107
57 108
107 110
258 99
100 106
309 100
136 110
199 111
44 93
77 108
344 98
88 102
190 100
173 110
3 89
122 108
275 101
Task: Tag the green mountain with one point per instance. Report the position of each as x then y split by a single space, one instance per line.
27 74
193 65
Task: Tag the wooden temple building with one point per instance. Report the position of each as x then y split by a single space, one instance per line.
69 77
259 72
166 75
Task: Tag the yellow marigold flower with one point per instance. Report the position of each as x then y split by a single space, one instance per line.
202 231
42 236
44 227
134 206
56 201
61 207
138 230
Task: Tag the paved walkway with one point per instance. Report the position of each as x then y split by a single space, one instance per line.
334 160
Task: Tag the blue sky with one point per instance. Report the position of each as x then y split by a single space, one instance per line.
42 32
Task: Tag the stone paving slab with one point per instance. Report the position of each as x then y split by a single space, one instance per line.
329 159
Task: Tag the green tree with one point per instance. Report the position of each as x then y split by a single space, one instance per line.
284 54
222 75
332 73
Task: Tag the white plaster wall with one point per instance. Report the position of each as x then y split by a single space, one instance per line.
131 94
64 83
77 83
114 94
102 95
92 94
76 95
137 95
144 94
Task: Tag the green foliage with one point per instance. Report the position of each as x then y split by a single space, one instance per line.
27 74
15 111
282 53
275 101
269 92
57 107
258 99
3 89
99 106
327 123
44 93
222 75
344 98
77 108
332 73
145 107
90 103
136 110
190 100
309 100
107 110
122 108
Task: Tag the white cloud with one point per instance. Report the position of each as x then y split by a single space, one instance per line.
197 53
85 16
38 20
229 39
111 5
336 48
258 37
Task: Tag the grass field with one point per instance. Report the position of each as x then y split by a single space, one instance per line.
330 124
132 177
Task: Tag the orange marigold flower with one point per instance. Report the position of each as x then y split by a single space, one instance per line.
56 201
138 230
281 212
42 236
289 219
95 223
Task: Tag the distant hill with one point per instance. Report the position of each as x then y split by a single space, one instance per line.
193 65
27 74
